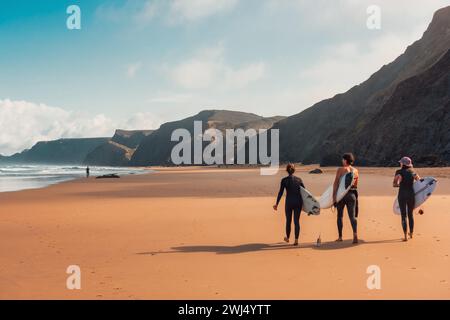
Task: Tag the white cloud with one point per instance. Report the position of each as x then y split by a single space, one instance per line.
208 70
191 10
348 64
132 69
141 121
24 123
148 11
339 13
171 11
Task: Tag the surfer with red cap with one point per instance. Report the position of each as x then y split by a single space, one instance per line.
404 180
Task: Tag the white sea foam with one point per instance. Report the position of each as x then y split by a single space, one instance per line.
22 177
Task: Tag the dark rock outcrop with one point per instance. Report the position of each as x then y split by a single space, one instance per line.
130 138
109 154
108 176
118 151
413 122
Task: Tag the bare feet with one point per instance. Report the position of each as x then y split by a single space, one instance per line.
410 235
296 243
339 240
405 239
355 238
286 239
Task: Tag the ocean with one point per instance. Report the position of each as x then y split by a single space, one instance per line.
23 177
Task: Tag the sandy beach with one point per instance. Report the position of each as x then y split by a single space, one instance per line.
209 233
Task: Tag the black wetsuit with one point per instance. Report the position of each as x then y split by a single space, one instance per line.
294 202
351 202
406 197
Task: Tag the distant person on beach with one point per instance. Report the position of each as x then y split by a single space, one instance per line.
294 201
87 172
404 180
351 198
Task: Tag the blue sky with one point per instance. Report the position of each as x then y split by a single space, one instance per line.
136 64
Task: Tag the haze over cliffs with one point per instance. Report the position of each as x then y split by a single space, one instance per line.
363 119
62 151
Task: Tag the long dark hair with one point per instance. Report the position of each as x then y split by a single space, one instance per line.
349 157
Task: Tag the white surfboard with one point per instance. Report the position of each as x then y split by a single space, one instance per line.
423 189
326 200
310 205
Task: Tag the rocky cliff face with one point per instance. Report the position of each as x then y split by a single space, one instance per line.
156 148
339 124
415 121
118 151
110 154
62 151
130 138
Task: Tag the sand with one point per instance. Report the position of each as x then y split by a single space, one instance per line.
208 233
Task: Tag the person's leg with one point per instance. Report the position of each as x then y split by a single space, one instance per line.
340 215
411 204
403 204
297 212
288 223
350 201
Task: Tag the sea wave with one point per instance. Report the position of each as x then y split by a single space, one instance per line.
22 177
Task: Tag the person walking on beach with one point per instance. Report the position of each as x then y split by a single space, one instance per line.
404 180
351 198
293 203
87 172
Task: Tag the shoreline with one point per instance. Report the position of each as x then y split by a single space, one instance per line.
444 172
18 183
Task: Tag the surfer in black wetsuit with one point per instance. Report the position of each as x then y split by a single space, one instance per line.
294 201
350 200
404 180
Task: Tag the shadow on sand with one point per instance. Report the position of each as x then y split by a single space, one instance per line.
255 247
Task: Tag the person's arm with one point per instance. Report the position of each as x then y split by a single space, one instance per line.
302 184
280 194
397 180
416 177
336 185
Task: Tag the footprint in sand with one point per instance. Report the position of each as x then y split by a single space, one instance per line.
413 268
